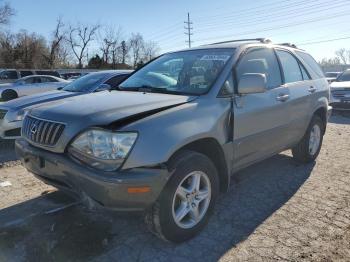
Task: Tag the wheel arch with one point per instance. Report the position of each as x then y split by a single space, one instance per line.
9 90
211 148
322 113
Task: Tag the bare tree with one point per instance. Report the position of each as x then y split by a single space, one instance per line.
6 12
348 55
7 43
136 46
29 49
110 41
150 50
55 44
79 39
330 61
124 51
342 55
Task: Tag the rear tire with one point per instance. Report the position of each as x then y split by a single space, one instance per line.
309 147
184 207
9 94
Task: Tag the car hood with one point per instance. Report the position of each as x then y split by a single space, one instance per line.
28 101
340 85
105 107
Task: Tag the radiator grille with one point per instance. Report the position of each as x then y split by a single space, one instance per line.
41 131
340 93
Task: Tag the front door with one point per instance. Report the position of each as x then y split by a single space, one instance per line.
260 120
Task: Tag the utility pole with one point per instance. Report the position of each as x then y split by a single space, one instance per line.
188 28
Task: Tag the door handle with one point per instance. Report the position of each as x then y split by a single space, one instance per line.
312 89
282 97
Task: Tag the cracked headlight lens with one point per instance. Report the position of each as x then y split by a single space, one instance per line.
103 149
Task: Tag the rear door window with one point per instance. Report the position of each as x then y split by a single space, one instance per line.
304 72
30 80
263 61
311 62
37 80
290 66
45 79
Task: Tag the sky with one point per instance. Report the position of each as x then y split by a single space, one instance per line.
311 24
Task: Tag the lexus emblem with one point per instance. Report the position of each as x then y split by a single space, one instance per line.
34 129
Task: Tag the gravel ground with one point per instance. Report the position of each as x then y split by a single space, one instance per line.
277 210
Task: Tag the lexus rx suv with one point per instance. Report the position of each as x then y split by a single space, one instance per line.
169 139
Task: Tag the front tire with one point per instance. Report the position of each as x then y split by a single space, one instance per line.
309 147
187 201
9 94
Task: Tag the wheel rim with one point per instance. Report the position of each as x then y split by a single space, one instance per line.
315 138
191 199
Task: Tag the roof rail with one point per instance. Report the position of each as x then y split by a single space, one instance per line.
261 40
289 45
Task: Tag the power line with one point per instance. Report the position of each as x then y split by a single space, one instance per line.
285 14
324 41
252 13
281 26
188 28
243 10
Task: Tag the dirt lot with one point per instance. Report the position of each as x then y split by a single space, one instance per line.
277 210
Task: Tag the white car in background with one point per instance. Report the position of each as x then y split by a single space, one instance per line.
30 85
340 91
332 76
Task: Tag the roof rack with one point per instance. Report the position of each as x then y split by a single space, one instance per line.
261 40
289 45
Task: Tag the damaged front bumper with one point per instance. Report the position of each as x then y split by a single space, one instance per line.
110 190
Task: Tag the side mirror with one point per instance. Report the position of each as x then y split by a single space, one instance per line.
103 87
252 83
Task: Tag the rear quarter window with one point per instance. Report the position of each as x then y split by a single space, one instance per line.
311 62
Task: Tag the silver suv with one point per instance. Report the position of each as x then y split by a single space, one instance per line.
169 139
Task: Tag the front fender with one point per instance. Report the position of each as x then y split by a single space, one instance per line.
162 134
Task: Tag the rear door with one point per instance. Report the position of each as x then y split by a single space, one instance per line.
299 83
260 120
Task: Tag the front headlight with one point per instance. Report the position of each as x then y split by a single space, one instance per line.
103 149
20 115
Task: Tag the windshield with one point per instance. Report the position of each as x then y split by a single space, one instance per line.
86 83
188 72
345 76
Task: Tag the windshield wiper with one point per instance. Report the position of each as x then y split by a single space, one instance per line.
152 89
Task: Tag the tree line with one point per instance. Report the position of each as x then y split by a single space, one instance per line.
76 45
341 57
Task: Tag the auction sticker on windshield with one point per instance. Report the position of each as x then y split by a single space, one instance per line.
215 57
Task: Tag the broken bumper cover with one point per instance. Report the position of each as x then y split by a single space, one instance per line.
94 187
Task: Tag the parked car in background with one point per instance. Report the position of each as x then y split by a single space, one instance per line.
167 143
30 85
340 91
12 112
72 78
70 75
11 75
332 76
